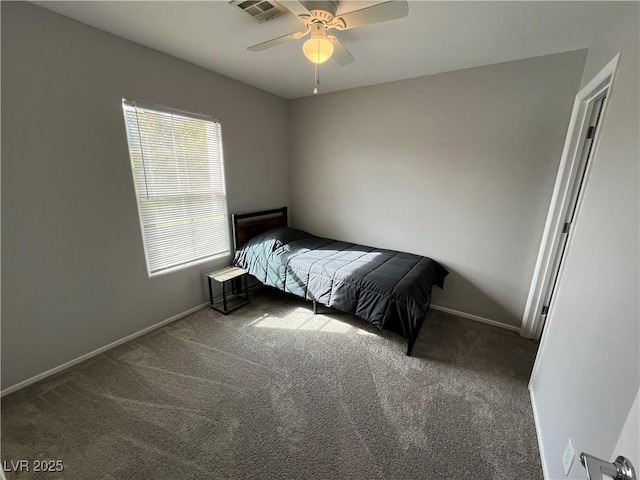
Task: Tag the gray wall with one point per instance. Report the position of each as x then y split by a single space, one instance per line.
73 270
588 368
459 167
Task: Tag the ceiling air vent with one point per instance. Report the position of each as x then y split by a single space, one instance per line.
259 10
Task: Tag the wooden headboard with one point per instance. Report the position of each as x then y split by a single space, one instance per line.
248 225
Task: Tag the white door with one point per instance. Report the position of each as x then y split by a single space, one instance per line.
587 372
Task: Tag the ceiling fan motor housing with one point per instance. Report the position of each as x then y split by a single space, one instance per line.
323 10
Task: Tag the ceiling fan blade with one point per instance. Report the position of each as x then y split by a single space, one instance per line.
375 14
341 55
295 7
277 41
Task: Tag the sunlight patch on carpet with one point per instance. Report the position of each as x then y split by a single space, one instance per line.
300 319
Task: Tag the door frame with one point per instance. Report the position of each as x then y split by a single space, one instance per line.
570 171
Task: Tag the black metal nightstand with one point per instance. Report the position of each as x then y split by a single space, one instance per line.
232 302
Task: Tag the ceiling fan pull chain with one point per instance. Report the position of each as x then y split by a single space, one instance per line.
317 79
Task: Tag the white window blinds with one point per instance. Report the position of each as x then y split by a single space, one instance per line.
178 172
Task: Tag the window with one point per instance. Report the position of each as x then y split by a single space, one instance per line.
178 173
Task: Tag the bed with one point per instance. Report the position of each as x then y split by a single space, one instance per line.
390 289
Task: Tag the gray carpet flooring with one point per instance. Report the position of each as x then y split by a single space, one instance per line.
273 392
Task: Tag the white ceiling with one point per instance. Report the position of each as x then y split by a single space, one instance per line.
435 37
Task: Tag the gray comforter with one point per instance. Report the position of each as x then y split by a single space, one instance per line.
390 289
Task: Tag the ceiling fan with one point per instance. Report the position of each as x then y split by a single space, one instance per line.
319 16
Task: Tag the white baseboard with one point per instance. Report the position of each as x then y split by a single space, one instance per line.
98 351
545 473
476 318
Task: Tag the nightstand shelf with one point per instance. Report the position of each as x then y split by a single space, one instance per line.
228 302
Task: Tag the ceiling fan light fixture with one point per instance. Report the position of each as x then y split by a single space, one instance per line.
318 49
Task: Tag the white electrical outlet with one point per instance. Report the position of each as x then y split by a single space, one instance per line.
568 456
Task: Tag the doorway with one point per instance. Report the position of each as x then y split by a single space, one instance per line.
580 147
